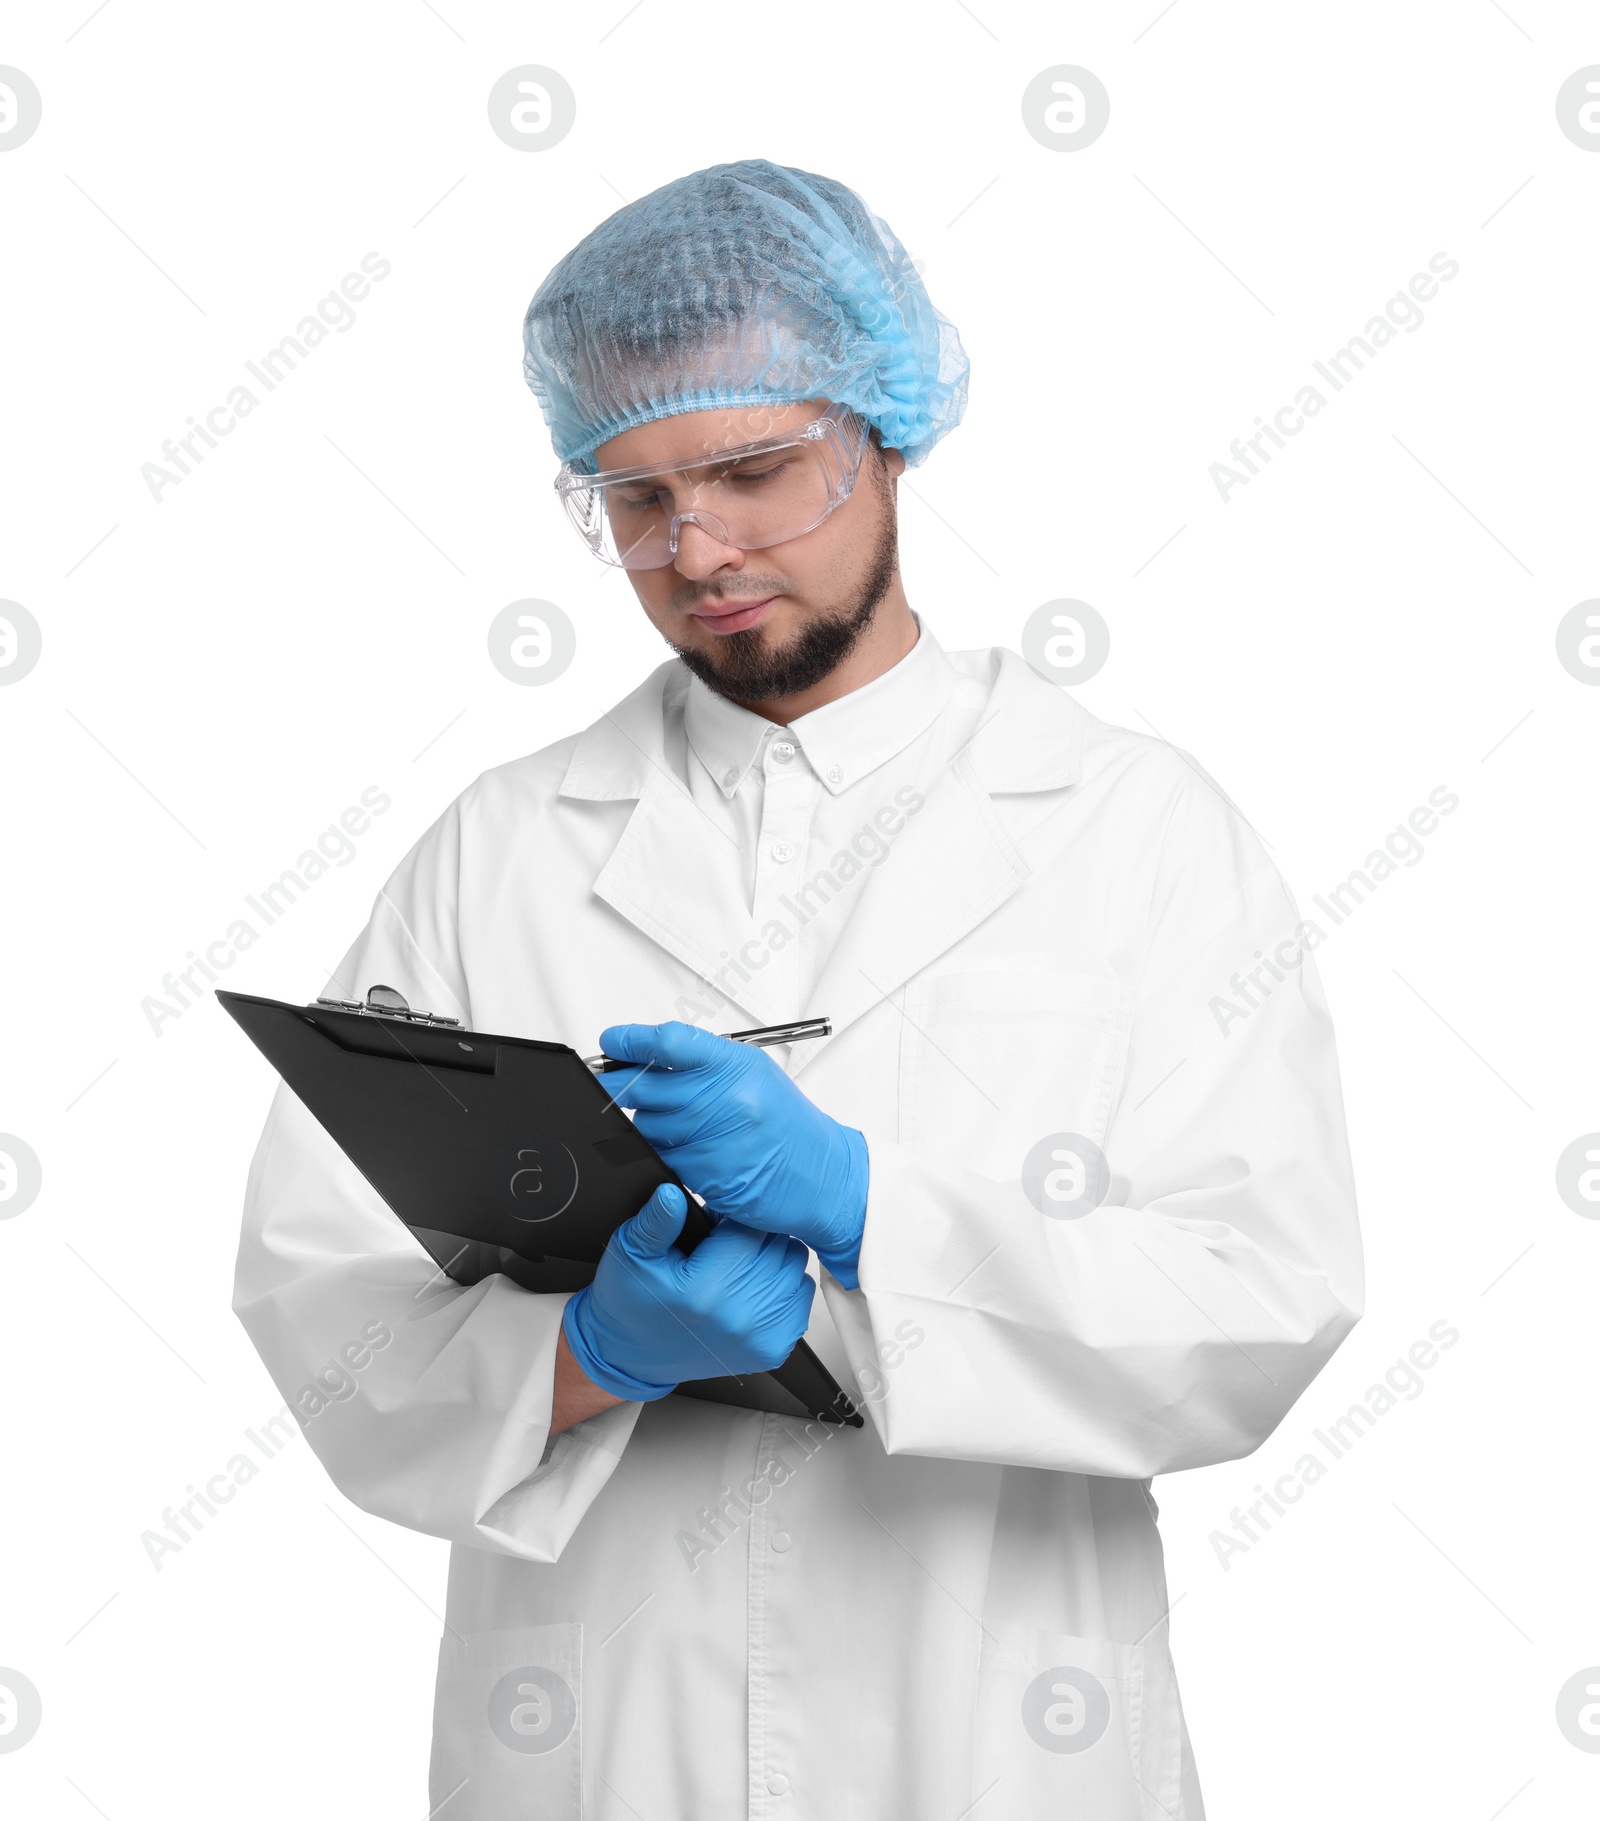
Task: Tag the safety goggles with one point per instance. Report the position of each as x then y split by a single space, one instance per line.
752 496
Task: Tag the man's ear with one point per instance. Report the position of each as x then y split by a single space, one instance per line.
895 462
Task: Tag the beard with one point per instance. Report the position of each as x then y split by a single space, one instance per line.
744 667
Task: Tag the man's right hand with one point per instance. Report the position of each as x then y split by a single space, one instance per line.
654 1317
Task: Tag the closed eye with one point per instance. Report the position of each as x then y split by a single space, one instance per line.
639 502
755 476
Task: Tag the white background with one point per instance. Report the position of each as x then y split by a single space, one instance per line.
304 616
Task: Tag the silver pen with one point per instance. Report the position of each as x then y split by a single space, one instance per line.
763 1038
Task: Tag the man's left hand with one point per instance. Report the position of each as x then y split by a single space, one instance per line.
743 1136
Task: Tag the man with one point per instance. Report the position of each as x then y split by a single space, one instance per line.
1068 1231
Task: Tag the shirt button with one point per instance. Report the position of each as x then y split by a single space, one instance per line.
730 777
835 774
782 751
777 1785
780 1540
782 852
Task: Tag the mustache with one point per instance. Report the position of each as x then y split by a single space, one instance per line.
695 592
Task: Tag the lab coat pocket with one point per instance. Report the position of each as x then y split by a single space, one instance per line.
508 1724
1059 1728
994 1059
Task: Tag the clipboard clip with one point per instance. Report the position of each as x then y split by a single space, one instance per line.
385 1002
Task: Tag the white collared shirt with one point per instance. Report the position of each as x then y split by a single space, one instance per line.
812 808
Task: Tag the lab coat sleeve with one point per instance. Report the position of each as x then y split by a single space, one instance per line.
1176 1324
428 1403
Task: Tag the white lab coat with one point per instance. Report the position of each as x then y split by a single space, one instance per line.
687 1612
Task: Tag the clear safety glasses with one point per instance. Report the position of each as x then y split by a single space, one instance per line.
752 496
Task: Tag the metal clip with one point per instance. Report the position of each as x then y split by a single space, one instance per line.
385 1002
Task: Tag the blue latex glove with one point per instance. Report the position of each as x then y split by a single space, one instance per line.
654 1316
744 1137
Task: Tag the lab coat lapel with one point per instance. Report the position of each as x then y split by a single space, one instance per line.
680 881
673 875
950 867
954 863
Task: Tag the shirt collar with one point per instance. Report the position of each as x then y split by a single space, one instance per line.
724 737
1033 736
844 740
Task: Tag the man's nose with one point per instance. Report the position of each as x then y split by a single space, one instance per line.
700 554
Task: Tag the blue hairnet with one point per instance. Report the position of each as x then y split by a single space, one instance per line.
744 284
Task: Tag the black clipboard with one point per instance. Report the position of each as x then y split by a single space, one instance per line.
510 1142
